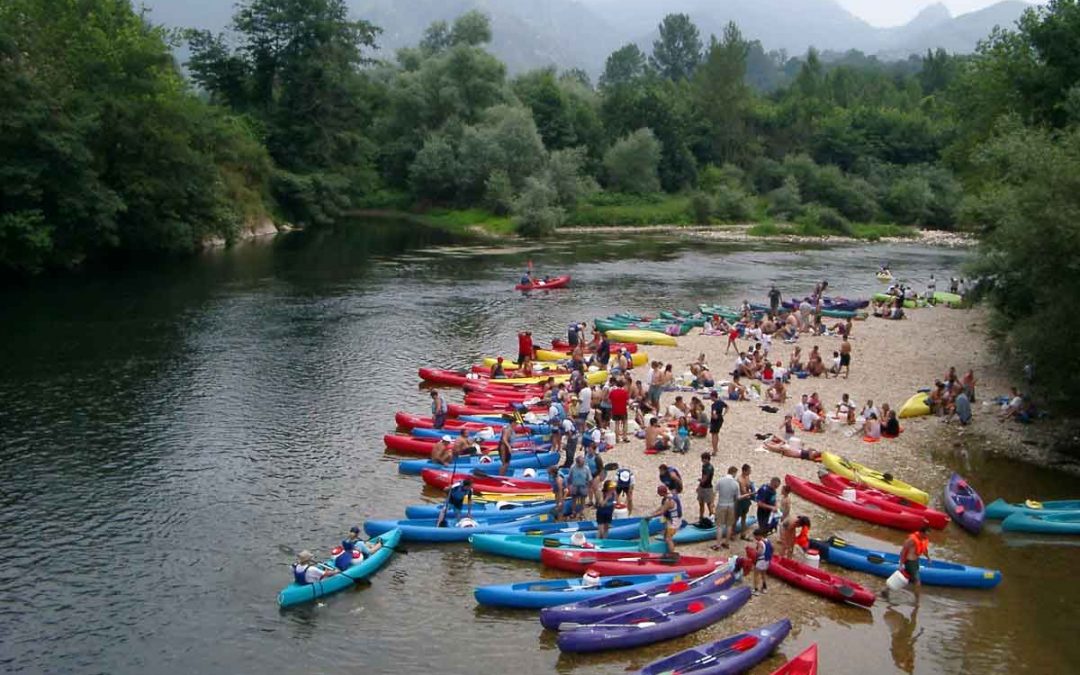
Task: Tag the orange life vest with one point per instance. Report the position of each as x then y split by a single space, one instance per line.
922 543
803 538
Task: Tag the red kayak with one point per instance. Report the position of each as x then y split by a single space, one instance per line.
819 581
497 484
413 445
409 421
880 514
937 519
558 345
626 562
544 284
803 664
454 378
491 408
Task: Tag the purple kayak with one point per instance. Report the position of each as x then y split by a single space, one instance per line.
566 617
964 504
647 625
735 654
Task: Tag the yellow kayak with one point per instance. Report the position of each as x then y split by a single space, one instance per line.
595 377
862 474
915 406
509 365
495 497
546 356
642 337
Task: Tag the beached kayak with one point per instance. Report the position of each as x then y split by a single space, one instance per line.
599 609
295 594
950 299
544 284
443 479
645 337
689 533
937 519
518 460
871 512
1065 522
999 509
452 426
484 510
964 504
732 655
932 573
655 623
873 478
916 406
628 562
820 582
528 547
805 663
455 529
540 593
422 446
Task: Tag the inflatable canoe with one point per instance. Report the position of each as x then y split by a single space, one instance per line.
872 477
663 621
528 547
950 299
820 582
544 284
916 406
738 653
644 337
1065 522
910 303
625 562
518 460
999 509
805 663
863 509
937 519
295 594
964 505
548 592
424 529
484 510
497 484
932 572
689 533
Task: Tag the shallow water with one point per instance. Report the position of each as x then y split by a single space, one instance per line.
169 435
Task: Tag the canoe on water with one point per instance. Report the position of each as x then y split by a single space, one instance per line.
601 608
425 529
937 519
295 594
932 573
628 562
644 337
1065 522
529 546
495 484
863 509
544 284
484 510
820 582
873 478
518 460
540 593
805 663
964 504
734 654
663 621
999 509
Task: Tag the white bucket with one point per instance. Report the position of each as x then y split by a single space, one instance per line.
813 558
896 581
848 495
620 511
609 439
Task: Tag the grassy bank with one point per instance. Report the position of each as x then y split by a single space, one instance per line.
865 231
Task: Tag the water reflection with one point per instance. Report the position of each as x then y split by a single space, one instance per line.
904 636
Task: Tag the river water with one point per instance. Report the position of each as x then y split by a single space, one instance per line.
168 435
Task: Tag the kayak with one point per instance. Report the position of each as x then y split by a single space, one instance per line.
627 562
732 655
872 477
915 406
423 446
484 510
295 594
497 484
964 504
950 299
544 285
931 572
518 460
662 621
999 509
490 411
528 547
424 529
488 434
549 592
937 519
832 499
690 534
645 337
803 664
561 345
884 276
820 582
598 609
910 303
406 420
1066 522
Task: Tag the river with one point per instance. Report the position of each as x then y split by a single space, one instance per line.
168 434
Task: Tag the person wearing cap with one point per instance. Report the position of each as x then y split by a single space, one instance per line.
570 440
306 571
716 420
353 542
605 509
497 371
441 452
438 410
456 497
624 485
671 512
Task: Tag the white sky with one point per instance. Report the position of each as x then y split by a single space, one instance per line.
898 12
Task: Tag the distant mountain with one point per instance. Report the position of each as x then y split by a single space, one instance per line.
581 33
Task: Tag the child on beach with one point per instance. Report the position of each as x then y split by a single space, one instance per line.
764 549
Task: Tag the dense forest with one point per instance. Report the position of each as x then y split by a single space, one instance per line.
110 148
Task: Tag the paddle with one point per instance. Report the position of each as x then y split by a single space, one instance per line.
446 503
740 645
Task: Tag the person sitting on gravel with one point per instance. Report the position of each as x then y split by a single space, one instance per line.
778 392
736 391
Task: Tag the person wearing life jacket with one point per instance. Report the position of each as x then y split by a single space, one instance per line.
497 371
624 485
916 546
306 571
605 509
671 512
802 538
764 550
456 497
353 550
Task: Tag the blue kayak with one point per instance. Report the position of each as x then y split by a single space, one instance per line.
419 432
548 592
690 534
620 528
734 654
425 529
296 594
1066 522
484 510
528 547
518 460
932 572
999 509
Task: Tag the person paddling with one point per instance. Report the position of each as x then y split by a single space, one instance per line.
458 495
353 542
306 571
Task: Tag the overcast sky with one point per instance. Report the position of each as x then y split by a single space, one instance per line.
897 12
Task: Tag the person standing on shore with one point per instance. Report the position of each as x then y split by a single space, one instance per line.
764 549
716 420
766 505
619 398
916 546
705 493
845 357
727 492
774 300
746 495
671 512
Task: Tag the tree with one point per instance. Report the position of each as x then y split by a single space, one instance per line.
624 66
472 28
566 175
437 38
631 164
536 212
678 51
722 98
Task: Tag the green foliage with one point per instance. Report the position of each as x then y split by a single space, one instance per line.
624 66
536 210
702 206
611 208
816 217
499 193
722 99
566 174
785 202
631 164
678 51
731 204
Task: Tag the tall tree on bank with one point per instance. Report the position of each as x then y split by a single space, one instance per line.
678 51
295 68
723 99
625 65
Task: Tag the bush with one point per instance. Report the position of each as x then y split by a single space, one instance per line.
732 204
817 218
701 207
908 201
536 212
499 193
567 175
631 164
785 202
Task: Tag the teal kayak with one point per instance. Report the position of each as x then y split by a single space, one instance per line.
296 594
1066 522
549 592
999 509
690 534
528 547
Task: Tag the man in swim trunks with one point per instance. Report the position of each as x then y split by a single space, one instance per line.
671 512
716 420
915 546
746 496
845 357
